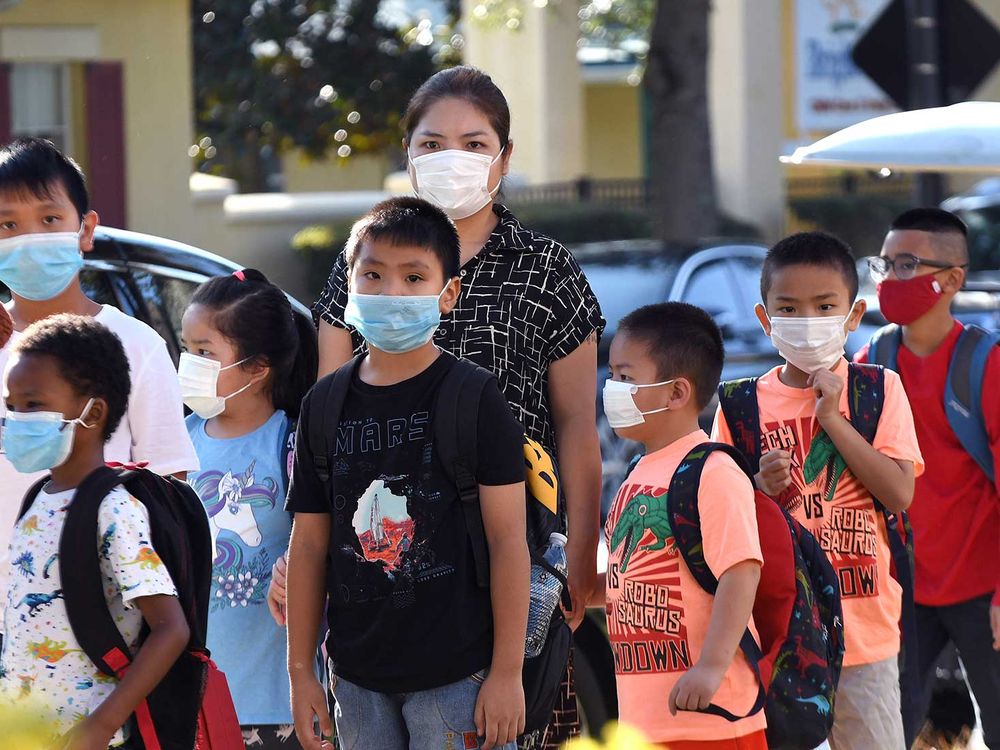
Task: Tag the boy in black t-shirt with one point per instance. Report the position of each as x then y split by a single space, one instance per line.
420 655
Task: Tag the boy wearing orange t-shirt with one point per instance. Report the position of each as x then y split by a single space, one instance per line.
822 471
676 646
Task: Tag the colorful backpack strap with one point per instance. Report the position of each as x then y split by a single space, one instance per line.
685 522
866 399
963 393
883 349
738 400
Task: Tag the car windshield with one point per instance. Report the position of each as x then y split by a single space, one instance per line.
619 287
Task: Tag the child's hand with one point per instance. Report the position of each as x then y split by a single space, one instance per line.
775 472
276 595
500 709
89 735
695 689
309 706
828 386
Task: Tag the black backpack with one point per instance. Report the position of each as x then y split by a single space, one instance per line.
455 424
866 397
171 716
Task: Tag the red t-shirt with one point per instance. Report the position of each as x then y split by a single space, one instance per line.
956 509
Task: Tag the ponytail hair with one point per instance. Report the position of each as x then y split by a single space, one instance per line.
258 319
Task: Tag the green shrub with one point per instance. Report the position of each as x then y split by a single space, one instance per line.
860 220
568 223
319 245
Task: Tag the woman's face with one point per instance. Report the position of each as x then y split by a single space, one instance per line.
456 124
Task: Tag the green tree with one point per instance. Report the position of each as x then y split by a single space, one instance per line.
326 77
675 81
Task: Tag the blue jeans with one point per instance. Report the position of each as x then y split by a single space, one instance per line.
437 719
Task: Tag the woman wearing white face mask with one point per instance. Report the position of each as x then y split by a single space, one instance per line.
525 312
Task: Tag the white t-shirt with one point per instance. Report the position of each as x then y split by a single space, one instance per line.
152 429
41 658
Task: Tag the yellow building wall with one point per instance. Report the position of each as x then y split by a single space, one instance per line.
612 131
152 39
355 172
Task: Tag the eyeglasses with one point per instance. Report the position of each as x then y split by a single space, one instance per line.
904 266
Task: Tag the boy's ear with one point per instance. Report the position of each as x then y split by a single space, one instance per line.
449 297
952 280
97 415
857 313
762 318
87 227
681 392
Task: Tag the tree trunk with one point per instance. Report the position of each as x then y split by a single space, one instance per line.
683 186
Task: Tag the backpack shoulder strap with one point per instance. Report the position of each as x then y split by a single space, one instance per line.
883 348
83 590
31 495
866 397
964 390
685 523
325 406
738 400
456 426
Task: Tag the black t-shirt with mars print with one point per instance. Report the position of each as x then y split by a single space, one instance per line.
404 610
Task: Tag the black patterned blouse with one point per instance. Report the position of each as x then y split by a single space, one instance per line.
524 304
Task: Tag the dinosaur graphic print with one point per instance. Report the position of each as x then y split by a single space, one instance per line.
644 565
41 660
657 612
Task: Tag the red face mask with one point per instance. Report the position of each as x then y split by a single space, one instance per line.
903 302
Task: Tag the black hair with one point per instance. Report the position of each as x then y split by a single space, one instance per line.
90 357
810 249
258 319
461 82
409 221
683 341
935 220
35 166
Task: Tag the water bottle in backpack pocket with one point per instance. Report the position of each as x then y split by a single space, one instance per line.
546 589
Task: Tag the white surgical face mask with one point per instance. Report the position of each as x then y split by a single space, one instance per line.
199 379
454 180
810 344
619 403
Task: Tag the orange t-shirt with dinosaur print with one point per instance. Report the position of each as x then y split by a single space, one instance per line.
839 511
657 612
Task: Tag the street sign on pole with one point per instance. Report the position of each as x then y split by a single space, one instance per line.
967 48
925 54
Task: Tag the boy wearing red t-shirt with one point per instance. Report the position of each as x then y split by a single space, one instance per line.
956 508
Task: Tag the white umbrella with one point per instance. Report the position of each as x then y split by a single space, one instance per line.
962 137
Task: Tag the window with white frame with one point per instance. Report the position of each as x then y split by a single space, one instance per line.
40 101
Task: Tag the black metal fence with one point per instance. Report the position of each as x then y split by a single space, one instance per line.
627 193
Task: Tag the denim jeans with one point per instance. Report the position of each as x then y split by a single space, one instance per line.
437 719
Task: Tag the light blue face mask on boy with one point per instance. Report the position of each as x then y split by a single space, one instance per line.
393 323
40 440
40 266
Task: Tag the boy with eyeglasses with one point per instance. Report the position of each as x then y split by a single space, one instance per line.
956 505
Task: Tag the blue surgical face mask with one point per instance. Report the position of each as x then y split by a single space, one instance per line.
40 266
392 323
40 440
